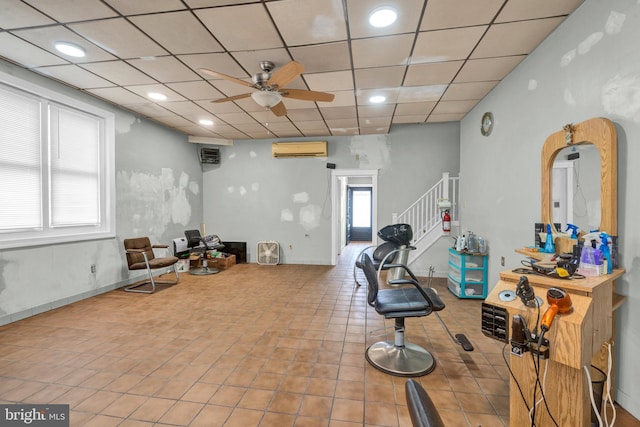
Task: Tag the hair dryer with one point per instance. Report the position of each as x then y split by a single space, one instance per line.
559 303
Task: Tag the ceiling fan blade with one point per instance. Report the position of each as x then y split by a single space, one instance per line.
232 98
286 74
279 109
225 77
308 95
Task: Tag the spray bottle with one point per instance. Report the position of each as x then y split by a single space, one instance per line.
605 240
574 230
590 252
548 246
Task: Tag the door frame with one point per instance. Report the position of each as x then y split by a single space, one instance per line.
336 174
350 189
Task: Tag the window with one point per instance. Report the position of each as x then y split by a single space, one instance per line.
56 167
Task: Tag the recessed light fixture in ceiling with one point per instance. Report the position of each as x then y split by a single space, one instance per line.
70 49
377 99
205 122
382 17
157 96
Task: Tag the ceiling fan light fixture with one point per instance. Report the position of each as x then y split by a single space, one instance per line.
382 17
377 99
266 98
70 49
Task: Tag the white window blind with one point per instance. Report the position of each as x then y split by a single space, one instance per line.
20 171
57 178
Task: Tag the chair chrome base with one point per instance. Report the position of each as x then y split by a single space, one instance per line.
409 360
203 271
152 282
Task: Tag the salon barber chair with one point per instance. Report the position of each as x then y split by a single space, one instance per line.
395 249
398 357
201 245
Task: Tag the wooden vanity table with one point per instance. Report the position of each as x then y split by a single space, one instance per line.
576 339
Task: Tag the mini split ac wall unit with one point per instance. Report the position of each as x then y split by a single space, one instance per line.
299 149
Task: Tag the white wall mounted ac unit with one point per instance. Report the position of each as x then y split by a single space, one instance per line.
299 149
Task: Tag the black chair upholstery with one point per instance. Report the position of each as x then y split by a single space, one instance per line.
201 245
400 358
422 411
386 252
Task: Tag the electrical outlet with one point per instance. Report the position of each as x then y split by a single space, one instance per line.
93 269
502 261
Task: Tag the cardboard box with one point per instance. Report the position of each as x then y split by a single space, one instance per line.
182 265
222 262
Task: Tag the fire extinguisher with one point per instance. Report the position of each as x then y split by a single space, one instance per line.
446 221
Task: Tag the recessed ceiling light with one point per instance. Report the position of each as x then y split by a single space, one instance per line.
377 99
383 17
157 96
205 122
70 49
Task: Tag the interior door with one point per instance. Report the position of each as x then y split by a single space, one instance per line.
359 205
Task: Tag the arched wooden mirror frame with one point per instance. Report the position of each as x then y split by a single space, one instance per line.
600 132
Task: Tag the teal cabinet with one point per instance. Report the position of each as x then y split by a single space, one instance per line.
467 274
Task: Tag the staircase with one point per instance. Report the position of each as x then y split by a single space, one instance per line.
424 215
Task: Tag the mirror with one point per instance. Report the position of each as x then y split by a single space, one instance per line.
601 133
575 187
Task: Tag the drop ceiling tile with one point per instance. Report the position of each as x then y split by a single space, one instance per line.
144 90
236 118
331 81
203 115
128 7
168 30
486 69
409 12
517 10
184 108
149 109
391 95
199 90
381 77
197 131
250 59
253 127
343 98
433 73
21 52
375 121
218 62
175 121
73 10
420 93
372 111
16 14
311 126
224 23
414 108
47 36
466 91
446 45
74 75
345 124
441 118
117 95
118 72
409 119
119 37
452 107
299 104
441 14
283 128
305 22
165 69
307 114
377 130
333 113
267 117
222 107
323 57
515 38
380 52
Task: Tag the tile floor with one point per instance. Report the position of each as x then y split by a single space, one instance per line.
252 346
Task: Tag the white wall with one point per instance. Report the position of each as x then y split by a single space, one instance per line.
158 186
251 196
589 67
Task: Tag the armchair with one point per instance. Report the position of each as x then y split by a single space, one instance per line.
140 256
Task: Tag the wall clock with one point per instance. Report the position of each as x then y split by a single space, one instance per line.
487 123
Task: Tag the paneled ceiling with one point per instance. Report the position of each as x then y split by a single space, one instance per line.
433 64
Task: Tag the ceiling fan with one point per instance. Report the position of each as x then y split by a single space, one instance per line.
270 87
